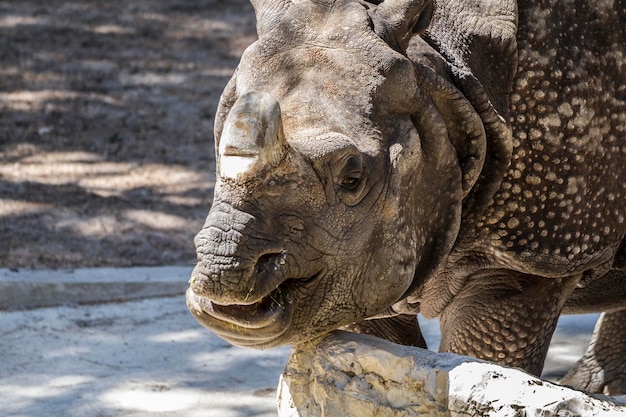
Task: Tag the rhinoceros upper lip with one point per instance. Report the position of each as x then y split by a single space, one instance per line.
251 316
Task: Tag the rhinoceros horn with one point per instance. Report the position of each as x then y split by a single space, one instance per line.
396 21
253 137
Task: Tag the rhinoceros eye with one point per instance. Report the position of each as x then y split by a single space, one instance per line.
341 167
352 172
350 183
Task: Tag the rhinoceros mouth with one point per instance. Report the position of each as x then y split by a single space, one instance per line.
250 316
254 324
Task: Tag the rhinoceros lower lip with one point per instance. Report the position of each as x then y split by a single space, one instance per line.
249 324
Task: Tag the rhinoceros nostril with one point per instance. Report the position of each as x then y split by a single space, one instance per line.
268 263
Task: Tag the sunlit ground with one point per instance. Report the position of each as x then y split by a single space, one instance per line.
151 358
132 359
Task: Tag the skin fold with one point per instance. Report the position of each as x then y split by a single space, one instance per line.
465 160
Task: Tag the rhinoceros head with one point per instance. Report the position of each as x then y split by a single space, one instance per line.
338 185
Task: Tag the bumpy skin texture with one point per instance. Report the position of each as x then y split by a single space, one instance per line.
602 368
473 171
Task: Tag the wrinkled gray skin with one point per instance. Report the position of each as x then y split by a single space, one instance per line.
465 159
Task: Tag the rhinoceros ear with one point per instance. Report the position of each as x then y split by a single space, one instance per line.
396 21
476 46
268 13
464 127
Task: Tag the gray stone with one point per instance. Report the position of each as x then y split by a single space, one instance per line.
348 374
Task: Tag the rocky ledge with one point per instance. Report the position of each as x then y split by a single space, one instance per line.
345 374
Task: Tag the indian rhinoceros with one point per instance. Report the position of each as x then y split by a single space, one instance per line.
461 158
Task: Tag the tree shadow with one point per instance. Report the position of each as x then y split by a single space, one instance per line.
137 226
88 87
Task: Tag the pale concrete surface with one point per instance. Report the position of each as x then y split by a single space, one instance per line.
25 288
150 357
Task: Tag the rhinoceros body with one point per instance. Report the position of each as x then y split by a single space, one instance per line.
465 159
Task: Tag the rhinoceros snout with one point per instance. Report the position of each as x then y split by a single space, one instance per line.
245 285
237 262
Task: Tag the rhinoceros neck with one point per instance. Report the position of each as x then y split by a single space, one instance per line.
560 208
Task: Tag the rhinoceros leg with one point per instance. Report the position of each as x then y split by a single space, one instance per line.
505 317
603 367
606 292
403 329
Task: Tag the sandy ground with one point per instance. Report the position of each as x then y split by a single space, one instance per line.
151 358
144 358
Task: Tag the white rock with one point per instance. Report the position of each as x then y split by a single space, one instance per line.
347 374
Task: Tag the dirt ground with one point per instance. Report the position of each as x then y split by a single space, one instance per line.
106 127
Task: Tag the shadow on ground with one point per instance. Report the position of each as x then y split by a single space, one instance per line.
106 120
